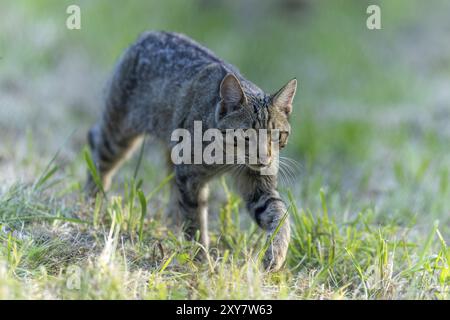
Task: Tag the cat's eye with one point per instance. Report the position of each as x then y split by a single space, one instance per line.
283 135
283 138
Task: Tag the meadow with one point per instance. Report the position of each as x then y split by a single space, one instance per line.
367 187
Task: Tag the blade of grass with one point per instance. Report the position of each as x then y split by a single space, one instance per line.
143 203
49 170
139 161
160 186
93 170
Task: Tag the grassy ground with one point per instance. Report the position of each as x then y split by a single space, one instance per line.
370 195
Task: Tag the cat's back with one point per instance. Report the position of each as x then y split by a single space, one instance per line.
163 78
157 80
173 55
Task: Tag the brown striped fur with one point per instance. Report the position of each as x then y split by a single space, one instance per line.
166 81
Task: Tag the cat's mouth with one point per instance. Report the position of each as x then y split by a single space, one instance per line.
257 167
260 163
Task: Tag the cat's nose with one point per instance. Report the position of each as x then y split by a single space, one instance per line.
265 159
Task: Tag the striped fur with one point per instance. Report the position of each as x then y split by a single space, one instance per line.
166 81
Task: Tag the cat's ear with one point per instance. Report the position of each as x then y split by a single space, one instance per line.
285 96
231 93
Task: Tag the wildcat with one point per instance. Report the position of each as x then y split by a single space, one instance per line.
166 81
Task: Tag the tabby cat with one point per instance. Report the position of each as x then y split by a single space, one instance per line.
165 81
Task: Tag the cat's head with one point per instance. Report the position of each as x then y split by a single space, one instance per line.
242 109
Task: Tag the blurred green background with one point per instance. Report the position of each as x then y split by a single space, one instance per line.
371 116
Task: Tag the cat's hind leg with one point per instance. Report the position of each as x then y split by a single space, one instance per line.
110 146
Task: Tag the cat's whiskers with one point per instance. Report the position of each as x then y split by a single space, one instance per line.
288 169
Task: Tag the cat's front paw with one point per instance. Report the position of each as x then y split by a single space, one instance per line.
276 253
274 257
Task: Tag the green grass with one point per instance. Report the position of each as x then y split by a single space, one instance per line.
368 191
121 256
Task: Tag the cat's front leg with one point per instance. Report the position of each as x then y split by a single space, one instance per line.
191 201
269 211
